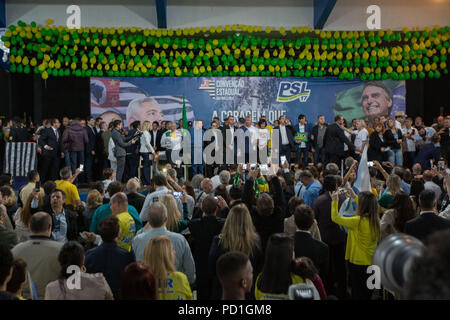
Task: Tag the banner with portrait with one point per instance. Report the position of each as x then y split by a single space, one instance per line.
161 99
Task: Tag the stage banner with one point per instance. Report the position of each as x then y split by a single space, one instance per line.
161 99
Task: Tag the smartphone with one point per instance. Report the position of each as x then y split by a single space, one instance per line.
283 159
447 171
177 194
342 190
431 163
244 167
38 185
83 236
441 165
370 164
252 166
81 167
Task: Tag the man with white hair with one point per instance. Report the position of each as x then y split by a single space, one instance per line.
134 197
224 177
156 215
172 141
144 109
207 187
362 135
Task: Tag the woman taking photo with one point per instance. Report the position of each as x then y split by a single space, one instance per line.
92 286
377 144
362 239
238 234
145 150
23 215
278 270
160 256
394 219
393 138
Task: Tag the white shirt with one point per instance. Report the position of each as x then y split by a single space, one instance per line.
284 138
411 143
154 133
398 125
429 132
361 137
349 136
172 142
253 136
146 147
263 137
111 146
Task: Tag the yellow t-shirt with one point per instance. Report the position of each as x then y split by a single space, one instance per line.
275 296
70 190
127 230
177 287
361 242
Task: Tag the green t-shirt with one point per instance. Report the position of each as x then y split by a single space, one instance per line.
386 200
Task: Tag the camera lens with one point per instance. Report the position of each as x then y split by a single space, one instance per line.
395 255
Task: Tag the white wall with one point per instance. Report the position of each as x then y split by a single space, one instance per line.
347 14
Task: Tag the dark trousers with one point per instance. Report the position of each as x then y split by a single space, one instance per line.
49 168
145 176
76 158
335 158
89 163
409 159
120 168
337 279
319 155
285 150
299 153
358 282
132 163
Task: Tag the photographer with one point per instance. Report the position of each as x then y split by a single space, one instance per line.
363 236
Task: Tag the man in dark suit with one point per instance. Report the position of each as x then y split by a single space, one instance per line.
19 132
155 137
334 141
306 245
302 139
427 222
50 143
90 148
203 230
285 139
135 199
229 128
132 158
317 140
109 258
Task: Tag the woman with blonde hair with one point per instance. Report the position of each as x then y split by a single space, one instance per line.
175 222
145 150
23 215
160 256
238 234
93 201
362 240
394 183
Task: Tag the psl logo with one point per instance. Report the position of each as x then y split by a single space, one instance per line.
289 91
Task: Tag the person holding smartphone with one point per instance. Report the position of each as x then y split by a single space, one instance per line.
120 143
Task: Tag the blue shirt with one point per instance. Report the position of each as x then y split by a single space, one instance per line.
311 192
105 210
59 232
405 187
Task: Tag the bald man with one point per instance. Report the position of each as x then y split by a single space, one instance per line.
119 208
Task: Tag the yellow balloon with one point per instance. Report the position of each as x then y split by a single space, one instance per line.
236 68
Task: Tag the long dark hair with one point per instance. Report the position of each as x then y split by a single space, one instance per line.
276 274
417 186
368 208
404 210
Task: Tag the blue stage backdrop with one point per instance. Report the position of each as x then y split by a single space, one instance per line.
161 99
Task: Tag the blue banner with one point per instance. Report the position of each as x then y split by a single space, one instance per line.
161 99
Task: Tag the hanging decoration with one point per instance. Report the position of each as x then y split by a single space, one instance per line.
237 50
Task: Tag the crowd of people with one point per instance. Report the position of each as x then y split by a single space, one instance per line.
148 230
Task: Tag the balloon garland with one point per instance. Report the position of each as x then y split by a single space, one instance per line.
236 50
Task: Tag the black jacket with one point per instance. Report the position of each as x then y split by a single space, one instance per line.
92 134
331 233
156 144
426 224
19 134
335 139
390 139
289 134
315 135
317 251
375 145
75 224
136 200
111 260
48 138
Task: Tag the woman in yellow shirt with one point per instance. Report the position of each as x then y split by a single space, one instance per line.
362 239
278 271
160 256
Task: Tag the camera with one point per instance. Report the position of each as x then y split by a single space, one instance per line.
395 256
177 195
303 291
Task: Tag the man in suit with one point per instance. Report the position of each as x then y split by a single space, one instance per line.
285 140
334 141
428 222
99 259
229 128
302 138
317 140
203 230
155 137
120 143
132 158
90 148
50 143
306 245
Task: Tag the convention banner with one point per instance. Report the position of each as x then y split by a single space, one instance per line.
161 99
